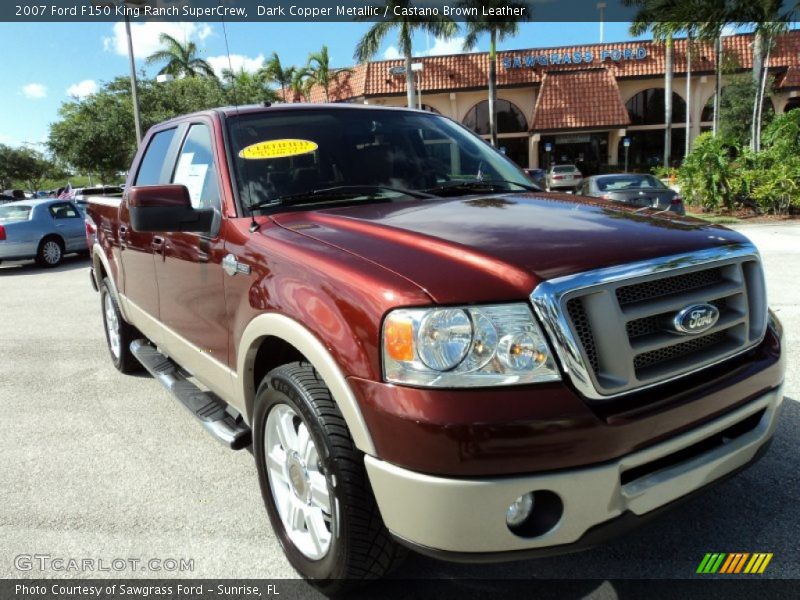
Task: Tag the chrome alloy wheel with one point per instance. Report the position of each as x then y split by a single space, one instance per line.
51 252
112 326
299 488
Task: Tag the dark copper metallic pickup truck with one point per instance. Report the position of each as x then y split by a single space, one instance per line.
425 350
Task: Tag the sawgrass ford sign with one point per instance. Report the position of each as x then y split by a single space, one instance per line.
573 58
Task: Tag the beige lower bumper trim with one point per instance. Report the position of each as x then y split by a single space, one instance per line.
468 515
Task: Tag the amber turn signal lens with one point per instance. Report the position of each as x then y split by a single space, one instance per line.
398 339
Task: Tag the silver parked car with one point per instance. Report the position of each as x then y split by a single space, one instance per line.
644 191
45 230
563 178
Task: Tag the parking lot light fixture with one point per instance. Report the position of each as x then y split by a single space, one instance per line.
137 120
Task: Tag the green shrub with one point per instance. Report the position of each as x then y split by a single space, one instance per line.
706 175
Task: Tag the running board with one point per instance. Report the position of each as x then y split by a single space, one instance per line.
210 410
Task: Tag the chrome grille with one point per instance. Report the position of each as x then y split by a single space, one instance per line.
612 328
647 290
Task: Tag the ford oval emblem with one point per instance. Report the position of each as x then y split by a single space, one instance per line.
696 319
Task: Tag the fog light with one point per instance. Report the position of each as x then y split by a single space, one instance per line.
520 510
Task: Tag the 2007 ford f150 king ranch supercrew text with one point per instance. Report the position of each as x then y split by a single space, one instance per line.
425 350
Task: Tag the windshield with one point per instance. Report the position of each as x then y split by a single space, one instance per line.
624 182
565 169
15 212
293 153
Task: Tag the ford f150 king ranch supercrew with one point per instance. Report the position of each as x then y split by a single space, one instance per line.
426 350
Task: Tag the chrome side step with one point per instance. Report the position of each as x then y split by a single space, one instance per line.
210 410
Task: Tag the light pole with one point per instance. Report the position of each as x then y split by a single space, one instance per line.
137 119
601 6
123 4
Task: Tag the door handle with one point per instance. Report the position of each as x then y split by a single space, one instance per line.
123 232
157 244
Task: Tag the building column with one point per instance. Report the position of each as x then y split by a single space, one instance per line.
533 151
614 136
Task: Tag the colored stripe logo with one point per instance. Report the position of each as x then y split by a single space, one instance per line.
734 562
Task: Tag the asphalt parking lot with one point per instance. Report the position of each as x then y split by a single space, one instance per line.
100 465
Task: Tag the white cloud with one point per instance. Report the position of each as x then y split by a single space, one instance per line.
238 61
34 91
81 90
146 36
440 47
392 53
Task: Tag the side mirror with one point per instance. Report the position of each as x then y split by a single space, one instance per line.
159 208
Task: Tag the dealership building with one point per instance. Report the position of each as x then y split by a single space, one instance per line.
579 104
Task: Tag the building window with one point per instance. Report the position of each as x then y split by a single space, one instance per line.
647 107
509 118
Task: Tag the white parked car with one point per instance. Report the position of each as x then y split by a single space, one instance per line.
563 178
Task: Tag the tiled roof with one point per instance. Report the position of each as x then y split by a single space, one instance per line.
571 100
345 85
470 71
791 79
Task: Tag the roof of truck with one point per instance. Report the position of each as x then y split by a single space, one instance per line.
249 109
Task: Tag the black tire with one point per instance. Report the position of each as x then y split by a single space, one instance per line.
360 548
124 361
50 252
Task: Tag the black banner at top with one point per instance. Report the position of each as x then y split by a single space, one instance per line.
308 10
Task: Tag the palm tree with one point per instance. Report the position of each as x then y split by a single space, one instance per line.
319 71
274 71
368 46
246 88
769 22
182 59
663 31
300 85
498 29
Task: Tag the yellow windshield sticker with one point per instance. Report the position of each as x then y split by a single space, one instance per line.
277 149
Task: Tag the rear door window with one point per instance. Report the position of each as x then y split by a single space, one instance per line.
152 170
64 210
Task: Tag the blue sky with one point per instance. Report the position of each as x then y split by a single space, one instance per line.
45 63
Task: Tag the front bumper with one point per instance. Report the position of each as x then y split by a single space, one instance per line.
467 516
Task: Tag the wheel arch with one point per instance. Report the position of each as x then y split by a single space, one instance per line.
270 338
52 235
102 270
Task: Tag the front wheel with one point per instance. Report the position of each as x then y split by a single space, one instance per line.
314 484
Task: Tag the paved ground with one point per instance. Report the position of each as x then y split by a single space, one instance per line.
100 465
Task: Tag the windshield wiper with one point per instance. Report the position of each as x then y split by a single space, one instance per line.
495 185
338 192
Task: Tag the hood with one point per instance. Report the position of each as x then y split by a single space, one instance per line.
498 248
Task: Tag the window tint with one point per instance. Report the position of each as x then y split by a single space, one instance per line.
196 170
356 146
63 211
621 182
153 161
15 212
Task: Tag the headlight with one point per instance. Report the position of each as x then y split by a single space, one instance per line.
466 347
